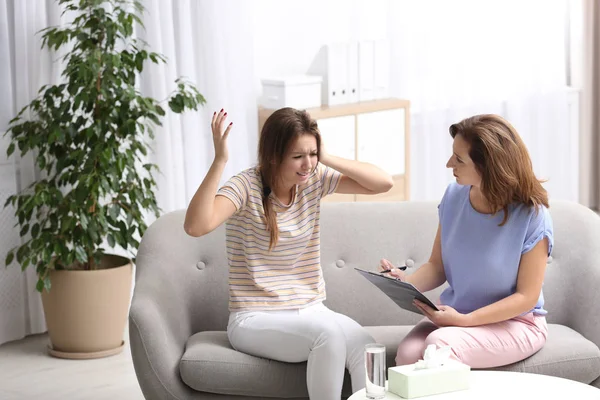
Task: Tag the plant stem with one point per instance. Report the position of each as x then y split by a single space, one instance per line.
99 79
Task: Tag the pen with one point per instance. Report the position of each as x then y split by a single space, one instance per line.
403 268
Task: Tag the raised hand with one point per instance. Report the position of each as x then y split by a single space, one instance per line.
220 132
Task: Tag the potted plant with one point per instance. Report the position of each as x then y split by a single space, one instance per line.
89 138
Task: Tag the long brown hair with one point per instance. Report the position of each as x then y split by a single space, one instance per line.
279 132
502 160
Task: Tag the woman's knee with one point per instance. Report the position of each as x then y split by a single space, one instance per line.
330 335
411 348
444 337
356 341
410 351
439 337
362 338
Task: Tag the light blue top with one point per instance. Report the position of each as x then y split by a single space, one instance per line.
481 259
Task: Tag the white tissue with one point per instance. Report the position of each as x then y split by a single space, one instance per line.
433 357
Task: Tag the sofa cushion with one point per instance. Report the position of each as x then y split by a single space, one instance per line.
566 354
210 364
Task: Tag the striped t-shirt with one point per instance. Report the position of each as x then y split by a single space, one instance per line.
290 275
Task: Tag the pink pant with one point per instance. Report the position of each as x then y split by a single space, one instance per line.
484 346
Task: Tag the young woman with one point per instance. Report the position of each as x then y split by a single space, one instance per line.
276 286
492 244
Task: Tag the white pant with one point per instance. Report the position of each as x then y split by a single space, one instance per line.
329 342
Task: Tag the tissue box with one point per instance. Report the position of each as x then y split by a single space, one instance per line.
408 382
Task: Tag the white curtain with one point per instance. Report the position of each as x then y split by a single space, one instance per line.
455 59
588 76
208 42
23 70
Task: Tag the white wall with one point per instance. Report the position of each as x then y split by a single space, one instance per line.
288 34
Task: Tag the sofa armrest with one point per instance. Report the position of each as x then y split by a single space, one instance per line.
577 266
159 327
585 297
162 316
156 352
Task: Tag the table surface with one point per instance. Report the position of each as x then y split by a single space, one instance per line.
510 385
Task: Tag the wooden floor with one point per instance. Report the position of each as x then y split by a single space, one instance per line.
28 372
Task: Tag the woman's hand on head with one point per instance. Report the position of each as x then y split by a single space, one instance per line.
220 132
323 154
385 265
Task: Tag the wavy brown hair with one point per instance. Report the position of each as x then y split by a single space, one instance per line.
502 160
279 132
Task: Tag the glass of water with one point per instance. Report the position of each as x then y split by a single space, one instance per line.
375 369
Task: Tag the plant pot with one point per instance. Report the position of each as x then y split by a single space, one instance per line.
86 311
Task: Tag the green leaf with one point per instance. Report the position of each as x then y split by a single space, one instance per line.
176 104
93 231
9 258
41 267
10 150
22 252
81 194
111 240
24 230
84 221
47 284
40 285
9 201
115 210
41 160
81 255
105 185
35 230
120 164
154 119
69 259
139 63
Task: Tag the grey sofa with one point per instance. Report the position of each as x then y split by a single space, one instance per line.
179 311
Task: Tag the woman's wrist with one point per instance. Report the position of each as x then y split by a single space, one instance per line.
469 320
324 158
220 160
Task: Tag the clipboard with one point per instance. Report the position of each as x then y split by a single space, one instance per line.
402 293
